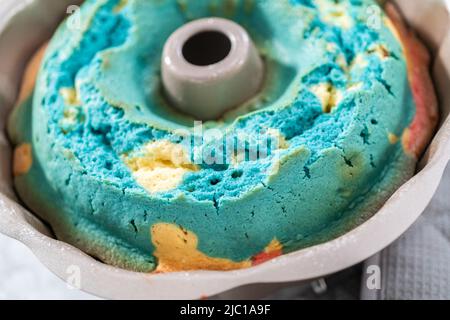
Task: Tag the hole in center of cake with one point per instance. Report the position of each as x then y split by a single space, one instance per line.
206 48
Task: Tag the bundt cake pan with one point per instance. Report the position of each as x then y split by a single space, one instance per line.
25 24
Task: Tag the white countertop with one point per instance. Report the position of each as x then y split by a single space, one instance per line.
22 276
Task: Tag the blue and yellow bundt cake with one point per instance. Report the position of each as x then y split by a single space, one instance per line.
117 172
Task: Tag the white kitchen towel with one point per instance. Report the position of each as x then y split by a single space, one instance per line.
417 266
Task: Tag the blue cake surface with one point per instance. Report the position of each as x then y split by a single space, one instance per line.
120 174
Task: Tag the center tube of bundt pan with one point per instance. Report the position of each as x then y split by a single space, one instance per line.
210 66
